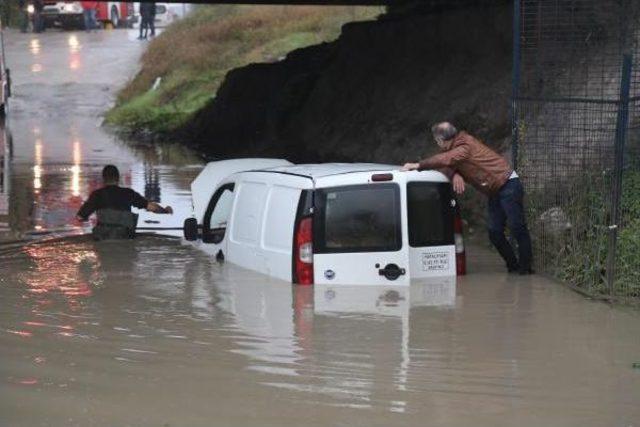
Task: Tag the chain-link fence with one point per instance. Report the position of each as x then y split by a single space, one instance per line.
576 127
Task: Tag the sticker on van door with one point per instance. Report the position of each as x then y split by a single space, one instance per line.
435 261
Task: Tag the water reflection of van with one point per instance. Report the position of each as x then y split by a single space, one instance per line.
327 223
384 300
303 337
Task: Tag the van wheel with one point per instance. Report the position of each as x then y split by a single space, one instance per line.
115 17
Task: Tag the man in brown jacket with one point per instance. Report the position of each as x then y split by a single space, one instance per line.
466 158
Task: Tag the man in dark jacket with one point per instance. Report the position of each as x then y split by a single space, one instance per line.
24 16
112 205
152 19
144 20
147 20
38 20
466 158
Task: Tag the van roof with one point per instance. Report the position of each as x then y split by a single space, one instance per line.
319 170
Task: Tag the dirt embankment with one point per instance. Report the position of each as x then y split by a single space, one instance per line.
371 95
184 66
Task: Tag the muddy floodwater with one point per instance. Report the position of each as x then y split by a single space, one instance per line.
153 332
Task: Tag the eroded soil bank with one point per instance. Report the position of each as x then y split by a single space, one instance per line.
371 95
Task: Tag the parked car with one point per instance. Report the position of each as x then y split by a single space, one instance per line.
327 223
164 15
65 14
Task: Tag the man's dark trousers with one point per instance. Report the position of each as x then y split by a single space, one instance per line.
507 208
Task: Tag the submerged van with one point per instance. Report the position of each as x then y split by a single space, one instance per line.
335 223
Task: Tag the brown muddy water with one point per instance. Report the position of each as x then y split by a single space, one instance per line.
152 332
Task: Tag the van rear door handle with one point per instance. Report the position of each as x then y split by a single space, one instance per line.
391 271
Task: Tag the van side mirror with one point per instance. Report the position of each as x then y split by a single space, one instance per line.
190 229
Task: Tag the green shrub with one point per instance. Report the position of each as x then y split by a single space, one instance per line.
581 256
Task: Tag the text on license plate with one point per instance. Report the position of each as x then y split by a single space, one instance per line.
435 261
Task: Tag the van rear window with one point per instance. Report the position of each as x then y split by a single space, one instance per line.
430 214
358 218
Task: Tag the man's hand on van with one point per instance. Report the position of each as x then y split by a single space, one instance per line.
458 183
410 167
156 208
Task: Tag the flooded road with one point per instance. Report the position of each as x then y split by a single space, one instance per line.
152 332
53 149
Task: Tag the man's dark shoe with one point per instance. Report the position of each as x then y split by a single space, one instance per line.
526 271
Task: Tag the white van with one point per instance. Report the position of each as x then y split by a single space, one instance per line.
335 223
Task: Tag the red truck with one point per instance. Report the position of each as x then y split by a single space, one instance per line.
69 14
118 13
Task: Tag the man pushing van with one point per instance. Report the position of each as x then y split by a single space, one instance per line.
112 205
463 158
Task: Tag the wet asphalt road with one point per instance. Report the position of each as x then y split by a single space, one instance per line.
152 332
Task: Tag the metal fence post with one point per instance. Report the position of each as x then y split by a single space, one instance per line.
515 84
616 185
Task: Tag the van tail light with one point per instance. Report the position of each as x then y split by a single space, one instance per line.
303 252
461 257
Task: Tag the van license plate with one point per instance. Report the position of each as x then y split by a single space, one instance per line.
435 261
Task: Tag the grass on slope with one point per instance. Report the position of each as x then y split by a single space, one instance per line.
193 55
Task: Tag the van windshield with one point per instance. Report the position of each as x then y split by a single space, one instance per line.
358 218
430 212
